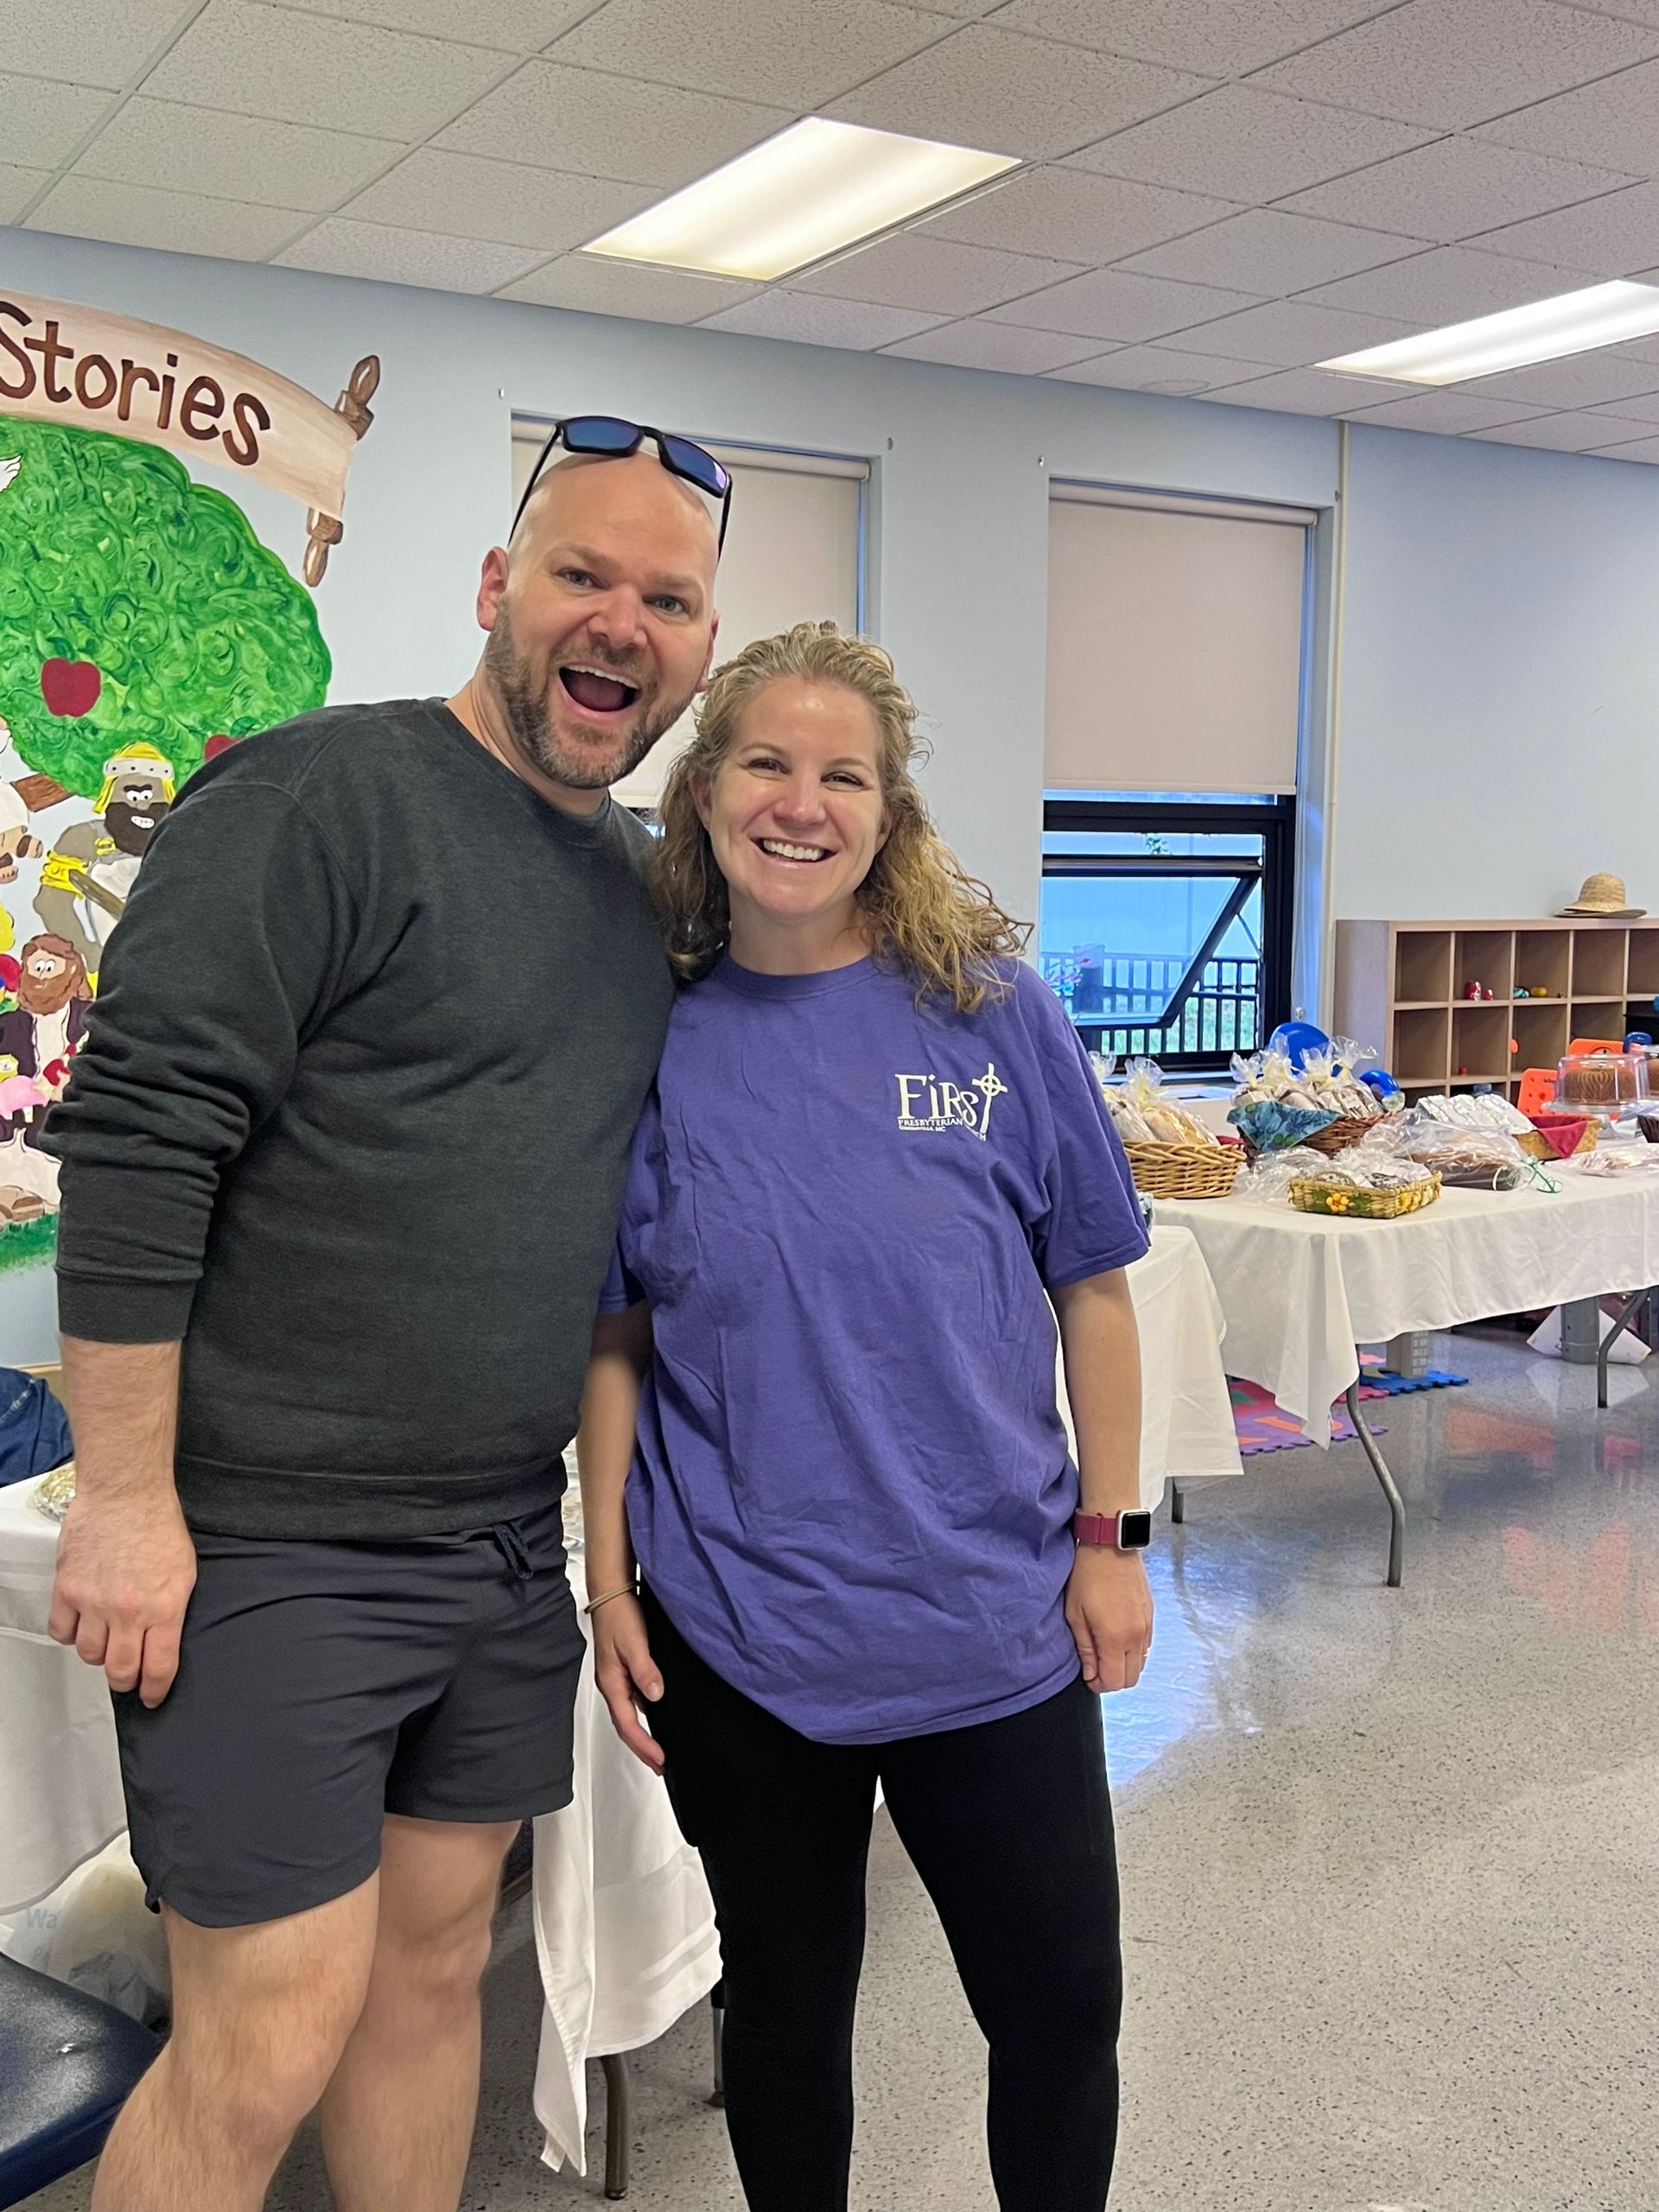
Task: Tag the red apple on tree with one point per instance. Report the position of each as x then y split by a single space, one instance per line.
70 688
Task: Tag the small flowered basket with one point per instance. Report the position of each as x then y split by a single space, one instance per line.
1345 1202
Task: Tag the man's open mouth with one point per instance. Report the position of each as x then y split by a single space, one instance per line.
802 855
596 692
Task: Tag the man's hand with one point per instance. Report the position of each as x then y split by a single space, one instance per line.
1108 1612
626 1673
126 1567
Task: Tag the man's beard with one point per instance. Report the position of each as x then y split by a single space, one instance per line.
527 703
127 836
45 993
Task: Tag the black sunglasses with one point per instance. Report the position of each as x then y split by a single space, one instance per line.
609 436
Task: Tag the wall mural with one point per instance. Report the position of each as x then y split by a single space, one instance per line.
143 627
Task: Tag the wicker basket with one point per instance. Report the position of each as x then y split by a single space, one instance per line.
1535 1142
1350 1204
1185 1170
1338 1135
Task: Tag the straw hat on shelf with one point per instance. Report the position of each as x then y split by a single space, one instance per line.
1604 895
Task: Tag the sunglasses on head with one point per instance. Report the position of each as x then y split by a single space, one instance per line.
613 439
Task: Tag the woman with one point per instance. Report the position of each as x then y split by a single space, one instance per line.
874 1145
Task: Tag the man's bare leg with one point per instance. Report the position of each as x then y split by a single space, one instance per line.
397 2117
260 2016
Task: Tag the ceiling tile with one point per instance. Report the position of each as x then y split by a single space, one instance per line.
1614 235
462 195
515 26
810 321
1639 449
796 54
1631 11
1614 124
592 125
175 222
45 122
1451 284
1639 408
961 9
1110 303
1555 433
1452 412
17 188
1086 218
1456 188
1291 334
1222 37
1580 380
1265 251
301 68
1635 349
980 345
911 270
87 41
1154 368
232 156
1247 144
592 287
338 248
1455 62
1303 392
1013 95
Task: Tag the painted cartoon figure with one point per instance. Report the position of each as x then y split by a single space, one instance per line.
90 872
38 1042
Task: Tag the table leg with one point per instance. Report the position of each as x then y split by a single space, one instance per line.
1626 1314
1380 1469
717 2014
1177 1503
618 2127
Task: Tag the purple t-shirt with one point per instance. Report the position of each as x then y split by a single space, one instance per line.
852 1492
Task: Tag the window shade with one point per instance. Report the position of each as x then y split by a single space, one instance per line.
791 555
1174 644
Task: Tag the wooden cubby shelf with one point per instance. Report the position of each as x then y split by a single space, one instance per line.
1400 988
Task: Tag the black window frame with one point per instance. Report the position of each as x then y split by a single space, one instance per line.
1273 819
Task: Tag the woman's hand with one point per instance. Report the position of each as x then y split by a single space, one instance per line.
626 1674
1108 1612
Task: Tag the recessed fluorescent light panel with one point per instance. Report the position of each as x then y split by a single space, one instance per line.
812 189
1575 322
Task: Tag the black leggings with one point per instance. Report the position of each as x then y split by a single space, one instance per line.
1009 1826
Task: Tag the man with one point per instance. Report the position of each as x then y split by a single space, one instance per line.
90 872
327 1756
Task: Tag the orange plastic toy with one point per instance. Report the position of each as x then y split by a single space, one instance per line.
1537 1091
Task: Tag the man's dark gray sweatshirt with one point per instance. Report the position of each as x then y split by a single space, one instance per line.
352 1119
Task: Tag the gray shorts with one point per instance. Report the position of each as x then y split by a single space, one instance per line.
322 1685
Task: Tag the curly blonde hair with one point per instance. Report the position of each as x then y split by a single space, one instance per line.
924 914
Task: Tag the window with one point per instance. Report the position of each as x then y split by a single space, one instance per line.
794 553
1177 629
1165 925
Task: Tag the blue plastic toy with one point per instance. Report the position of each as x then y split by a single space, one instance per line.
1380 1081
1297 1040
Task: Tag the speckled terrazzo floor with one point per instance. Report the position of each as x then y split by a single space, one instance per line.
1391 1859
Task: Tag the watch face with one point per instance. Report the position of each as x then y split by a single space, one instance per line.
1134 1531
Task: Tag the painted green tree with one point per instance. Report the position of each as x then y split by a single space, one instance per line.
137 605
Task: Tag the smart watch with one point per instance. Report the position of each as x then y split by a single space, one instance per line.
1113 1532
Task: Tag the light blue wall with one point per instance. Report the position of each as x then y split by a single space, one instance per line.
959 507
1499 727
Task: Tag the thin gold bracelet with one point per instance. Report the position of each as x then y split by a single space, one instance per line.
594 1604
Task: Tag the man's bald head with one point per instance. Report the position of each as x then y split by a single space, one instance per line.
602 616
639 478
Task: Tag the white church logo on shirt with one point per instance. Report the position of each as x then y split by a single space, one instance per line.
933 1101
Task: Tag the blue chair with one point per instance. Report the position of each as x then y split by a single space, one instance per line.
67 2064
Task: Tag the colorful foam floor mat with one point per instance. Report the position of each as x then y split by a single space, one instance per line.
1261 1425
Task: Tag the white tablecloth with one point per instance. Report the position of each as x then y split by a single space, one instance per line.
624 1925
1301 1291
1186 1416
